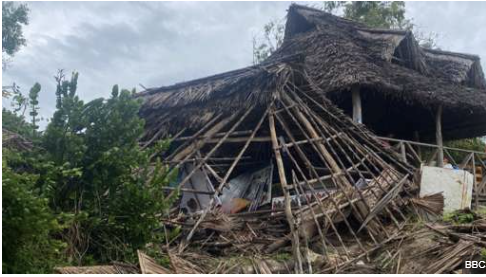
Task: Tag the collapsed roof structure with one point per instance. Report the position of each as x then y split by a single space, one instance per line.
276 141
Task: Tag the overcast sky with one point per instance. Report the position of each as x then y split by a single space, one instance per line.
161 43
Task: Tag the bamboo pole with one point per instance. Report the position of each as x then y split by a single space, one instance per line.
197 144
438 136
303 156
320 123
224 180
283 183
356 98
362 206
211 152
195 136
475 183
352 128
328 157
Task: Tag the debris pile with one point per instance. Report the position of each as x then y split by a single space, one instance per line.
295 186
297 177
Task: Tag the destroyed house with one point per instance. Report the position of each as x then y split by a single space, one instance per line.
282 141
399 85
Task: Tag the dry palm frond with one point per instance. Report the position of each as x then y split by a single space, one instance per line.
149 265
429 206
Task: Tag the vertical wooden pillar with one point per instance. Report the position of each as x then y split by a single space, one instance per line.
403 150
357 111
475 183
285 189
438 136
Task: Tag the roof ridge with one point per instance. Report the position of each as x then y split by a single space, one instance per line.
451 53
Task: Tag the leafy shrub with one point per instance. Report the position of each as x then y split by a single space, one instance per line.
95 166
460 217
87 183
28 225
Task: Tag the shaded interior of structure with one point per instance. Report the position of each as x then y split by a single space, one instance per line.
395 118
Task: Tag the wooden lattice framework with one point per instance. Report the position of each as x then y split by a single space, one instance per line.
313 146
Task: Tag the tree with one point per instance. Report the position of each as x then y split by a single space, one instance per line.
28 224
263 47
474 144
378 14
95 170
17 124
14 17
87 191
34 106
382 14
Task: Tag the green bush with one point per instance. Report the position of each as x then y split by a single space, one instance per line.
28 225
474 144
94 163
87 183
460 217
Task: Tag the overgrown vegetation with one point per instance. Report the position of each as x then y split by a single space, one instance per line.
474 144
29 226
87 193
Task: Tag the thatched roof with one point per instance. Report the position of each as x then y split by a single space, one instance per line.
401 83
15 141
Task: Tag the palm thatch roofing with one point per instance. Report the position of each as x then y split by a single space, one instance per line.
401 83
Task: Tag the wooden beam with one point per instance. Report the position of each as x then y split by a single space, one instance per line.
196 135
403 151
226 177
241 139
357 110
325 153
475 183
188 190
430 145
218 135
197 144
438 136
285 189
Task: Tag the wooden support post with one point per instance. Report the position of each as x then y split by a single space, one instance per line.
403 150
357 111
283 183
438 136
475 183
